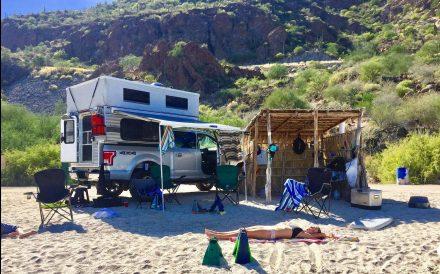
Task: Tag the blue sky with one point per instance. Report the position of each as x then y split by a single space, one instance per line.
11 7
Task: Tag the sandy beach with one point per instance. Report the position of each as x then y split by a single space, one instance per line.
150 241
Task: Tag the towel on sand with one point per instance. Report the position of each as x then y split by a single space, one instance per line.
293 194
7 228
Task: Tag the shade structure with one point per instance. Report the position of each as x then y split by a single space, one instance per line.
281 127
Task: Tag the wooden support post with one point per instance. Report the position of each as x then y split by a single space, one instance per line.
254 161
268 186
315 139
361 180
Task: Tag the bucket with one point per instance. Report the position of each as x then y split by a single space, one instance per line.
402 176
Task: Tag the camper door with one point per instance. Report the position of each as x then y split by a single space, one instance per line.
69 140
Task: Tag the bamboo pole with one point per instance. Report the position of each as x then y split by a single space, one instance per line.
254 161
268 186
315 139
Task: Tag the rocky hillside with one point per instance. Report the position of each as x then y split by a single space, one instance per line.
241 31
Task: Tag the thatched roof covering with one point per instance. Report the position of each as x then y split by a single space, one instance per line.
294 121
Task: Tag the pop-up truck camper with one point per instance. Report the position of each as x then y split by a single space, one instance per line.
110 134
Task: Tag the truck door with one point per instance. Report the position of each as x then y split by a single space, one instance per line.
184 154
69 140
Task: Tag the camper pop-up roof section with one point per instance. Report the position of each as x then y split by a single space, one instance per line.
131 95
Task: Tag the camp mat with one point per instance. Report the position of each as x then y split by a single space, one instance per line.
371 223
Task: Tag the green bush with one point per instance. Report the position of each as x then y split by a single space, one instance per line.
284 98
371 70
298 50
332 49
384 109
429 53
21 128
419 152
279 56
130 62
22 164
277 71
420 112
311 82
404 87
177 50
221 116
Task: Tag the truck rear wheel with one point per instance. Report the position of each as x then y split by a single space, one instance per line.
112 189
205 186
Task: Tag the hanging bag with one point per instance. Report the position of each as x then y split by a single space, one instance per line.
299 146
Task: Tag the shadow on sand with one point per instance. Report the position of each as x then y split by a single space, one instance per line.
60 228
178 219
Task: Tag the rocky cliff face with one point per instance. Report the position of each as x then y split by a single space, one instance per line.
189 66
237 32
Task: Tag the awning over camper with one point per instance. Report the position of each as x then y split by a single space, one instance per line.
178 122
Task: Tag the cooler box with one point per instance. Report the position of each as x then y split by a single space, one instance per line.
366 198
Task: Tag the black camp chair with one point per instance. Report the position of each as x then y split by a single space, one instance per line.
143 189
319 185
52 195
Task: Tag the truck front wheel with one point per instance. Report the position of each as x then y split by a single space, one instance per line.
112 189
205 186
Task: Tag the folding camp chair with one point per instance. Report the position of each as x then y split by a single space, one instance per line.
168 184
52 195
319 187
227 182
144 188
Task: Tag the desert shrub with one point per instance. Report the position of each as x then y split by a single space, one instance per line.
396 64
383 111
53 87
130 62
421 112
298 50
21 128
343 75
221 116
22 164
230 93
279 56
277 71
332 49
311 82
177 50
419 152
404 87
425 73
429 53
285 98
371 70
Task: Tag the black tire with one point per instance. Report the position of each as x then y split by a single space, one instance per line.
205 186
112 189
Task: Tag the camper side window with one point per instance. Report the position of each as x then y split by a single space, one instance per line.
136 96
139 130
69 132
176 102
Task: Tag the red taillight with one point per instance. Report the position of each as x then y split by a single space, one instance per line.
108 157
98 125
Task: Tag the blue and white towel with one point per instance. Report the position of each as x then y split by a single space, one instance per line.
167 139
293 194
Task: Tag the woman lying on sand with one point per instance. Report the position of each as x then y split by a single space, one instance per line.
272 233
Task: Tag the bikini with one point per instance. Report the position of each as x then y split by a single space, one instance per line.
295 231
